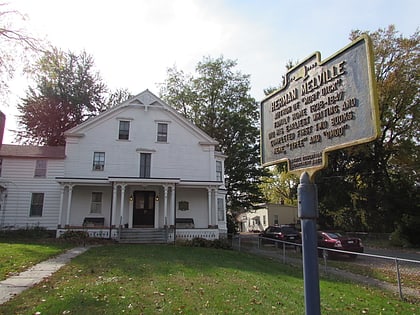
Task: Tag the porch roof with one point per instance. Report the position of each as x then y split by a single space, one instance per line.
142 180
83 181
138 180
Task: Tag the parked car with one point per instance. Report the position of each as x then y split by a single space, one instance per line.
282 233
337 241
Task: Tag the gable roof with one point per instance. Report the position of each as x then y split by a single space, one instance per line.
31 151
146 100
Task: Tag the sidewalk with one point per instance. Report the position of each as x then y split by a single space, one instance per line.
26 279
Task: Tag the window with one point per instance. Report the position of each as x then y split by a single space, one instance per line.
145 160
162 132
96 204
276 219
40 168
220 209
1 165
98 161
124 130
37 203
264 220
219 171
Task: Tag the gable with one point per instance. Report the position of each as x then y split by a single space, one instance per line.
145 101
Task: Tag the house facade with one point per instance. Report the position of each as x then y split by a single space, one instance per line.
139 167
267 214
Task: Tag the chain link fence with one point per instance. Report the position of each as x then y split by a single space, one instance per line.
396 274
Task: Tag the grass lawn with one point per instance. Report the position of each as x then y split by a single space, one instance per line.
166 279
17 255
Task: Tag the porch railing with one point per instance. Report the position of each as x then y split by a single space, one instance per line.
189 234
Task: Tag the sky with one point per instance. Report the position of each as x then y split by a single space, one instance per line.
134 42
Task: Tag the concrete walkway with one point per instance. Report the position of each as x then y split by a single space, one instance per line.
26 279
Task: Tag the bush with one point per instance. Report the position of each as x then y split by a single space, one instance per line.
406 232
31 232
202 242
79 237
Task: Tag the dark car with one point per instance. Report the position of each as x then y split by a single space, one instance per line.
337 241
282 233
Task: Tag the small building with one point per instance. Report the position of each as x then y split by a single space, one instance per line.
268 214
137 171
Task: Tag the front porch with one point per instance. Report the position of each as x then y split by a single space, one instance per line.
144 235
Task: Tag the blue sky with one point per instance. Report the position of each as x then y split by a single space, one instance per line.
133 42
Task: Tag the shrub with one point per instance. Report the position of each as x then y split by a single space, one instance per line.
202 242
79 237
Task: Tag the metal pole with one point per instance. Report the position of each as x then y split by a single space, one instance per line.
398 278
308 214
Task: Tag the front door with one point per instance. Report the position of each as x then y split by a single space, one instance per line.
144 209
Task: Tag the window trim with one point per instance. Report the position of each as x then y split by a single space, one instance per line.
219 173
124 134
40 172
33 212
98 164
145 168
221 209
162 135
94 204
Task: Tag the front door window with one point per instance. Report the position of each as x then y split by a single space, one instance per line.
144 209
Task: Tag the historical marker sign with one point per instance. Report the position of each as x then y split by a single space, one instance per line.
324 106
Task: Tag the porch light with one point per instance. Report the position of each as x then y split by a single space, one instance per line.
157 198
131 198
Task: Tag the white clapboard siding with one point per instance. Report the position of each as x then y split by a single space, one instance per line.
18 178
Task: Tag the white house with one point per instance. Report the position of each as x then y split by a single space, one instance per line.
138 170
267 214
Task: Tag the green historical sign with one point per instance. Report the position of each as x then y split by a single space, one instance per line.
324 106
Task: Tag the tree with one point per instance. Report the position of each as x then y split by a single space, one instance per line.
280 186
117 97
16 45
217 100
68 91
381 178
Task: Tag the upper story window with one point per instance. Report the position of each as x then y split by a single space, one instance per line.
162 132
124 130
219 171
145 163
1 165
96 204
98 161
37 204
40 168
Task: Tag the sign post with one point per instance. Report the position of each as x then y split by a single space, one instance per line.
323 106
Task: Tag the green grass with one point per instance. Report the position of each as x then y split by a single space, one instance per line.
166 279
18 255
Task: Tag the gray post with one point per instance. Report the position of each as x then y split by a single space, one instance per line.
308 214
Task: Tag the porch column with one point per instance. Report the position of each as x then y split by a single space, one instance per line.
165 205
172 206
70 187
60 213
114 205
209 204
215 207
122 204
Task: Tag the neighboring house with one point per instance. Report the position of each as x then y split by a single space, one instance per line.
137 169
268 214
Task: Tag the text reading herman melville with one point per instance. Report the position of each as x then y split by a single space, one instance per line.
323 106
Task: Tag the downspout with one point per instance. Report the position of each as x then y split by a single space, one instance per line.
110 212
174 213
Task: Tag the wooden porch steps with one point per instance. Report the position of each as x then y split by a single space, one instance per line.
143 236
